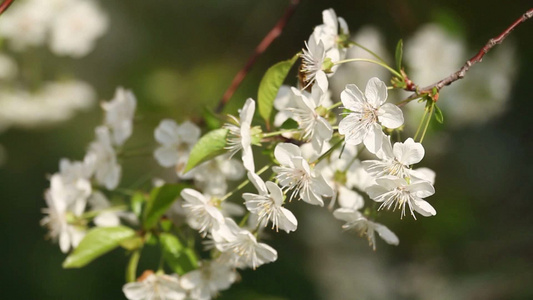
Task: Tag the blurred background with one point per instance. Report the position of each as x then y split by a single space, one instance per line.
180 56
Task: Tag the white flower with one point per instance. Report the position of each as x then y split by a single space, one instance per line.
68 96
202 214
119 115
313 126
103 158
177 142
397 193
284 99
24 24
240 136
268 204
395 159
355 220
205 282
76 27
211 176
336 170
242 246
329 33
367 111
69 236
313 58
295 174
155 287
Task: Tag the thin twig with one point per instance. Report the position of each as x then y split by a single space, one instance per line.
265 43
475 59
5 5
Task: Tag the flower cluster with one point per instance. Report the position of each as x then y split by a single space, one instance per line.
319 149
80 184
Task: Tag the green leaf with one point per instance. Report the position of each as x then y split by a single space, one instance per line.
137 201
161 198
181 259
399 54
270 84
212 120
97 242
210 145
438 115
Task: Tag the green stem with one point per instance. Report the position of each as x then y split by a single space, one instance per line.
244 183
334 106
368 50
428 121
131 270
328 153
420 124
244 219
384 65
280 132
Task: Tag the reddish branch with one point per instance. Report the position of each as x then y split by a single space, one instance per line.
475 59
265 43
5 5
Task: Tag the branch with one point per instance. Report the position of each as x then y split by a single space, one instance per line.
265 43
475 59
5 5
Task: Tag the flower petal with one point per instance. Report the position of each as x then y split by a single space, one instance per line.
390 116
376 92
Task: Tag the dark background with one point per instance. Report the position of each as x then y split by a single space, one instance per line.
178 56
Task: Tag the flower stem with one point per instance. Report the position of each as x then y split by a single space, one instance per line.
328 153
384 65
428 121
279 132
421 122
131 270
244 183
368 50
94 213
334 106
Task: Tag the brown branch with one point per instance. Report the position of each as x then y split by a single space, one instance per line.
5 5
475 59
263 45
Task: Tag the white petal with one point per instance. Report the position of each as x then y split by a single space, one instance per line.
376 92
352 98
258 183
248 159
321 82
166 156
188 132
107 219
287 221
166 132
136 290
193 196
387 235
285 152
421 189
247 112
409 152
275 193
424 208
350 199
390 116
346 214
374 138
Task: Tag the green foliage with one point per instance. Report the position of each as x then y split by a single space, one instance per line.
137 201
161 198
212 120
97 242
179 258
209 146
399 54
270 84
438 114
